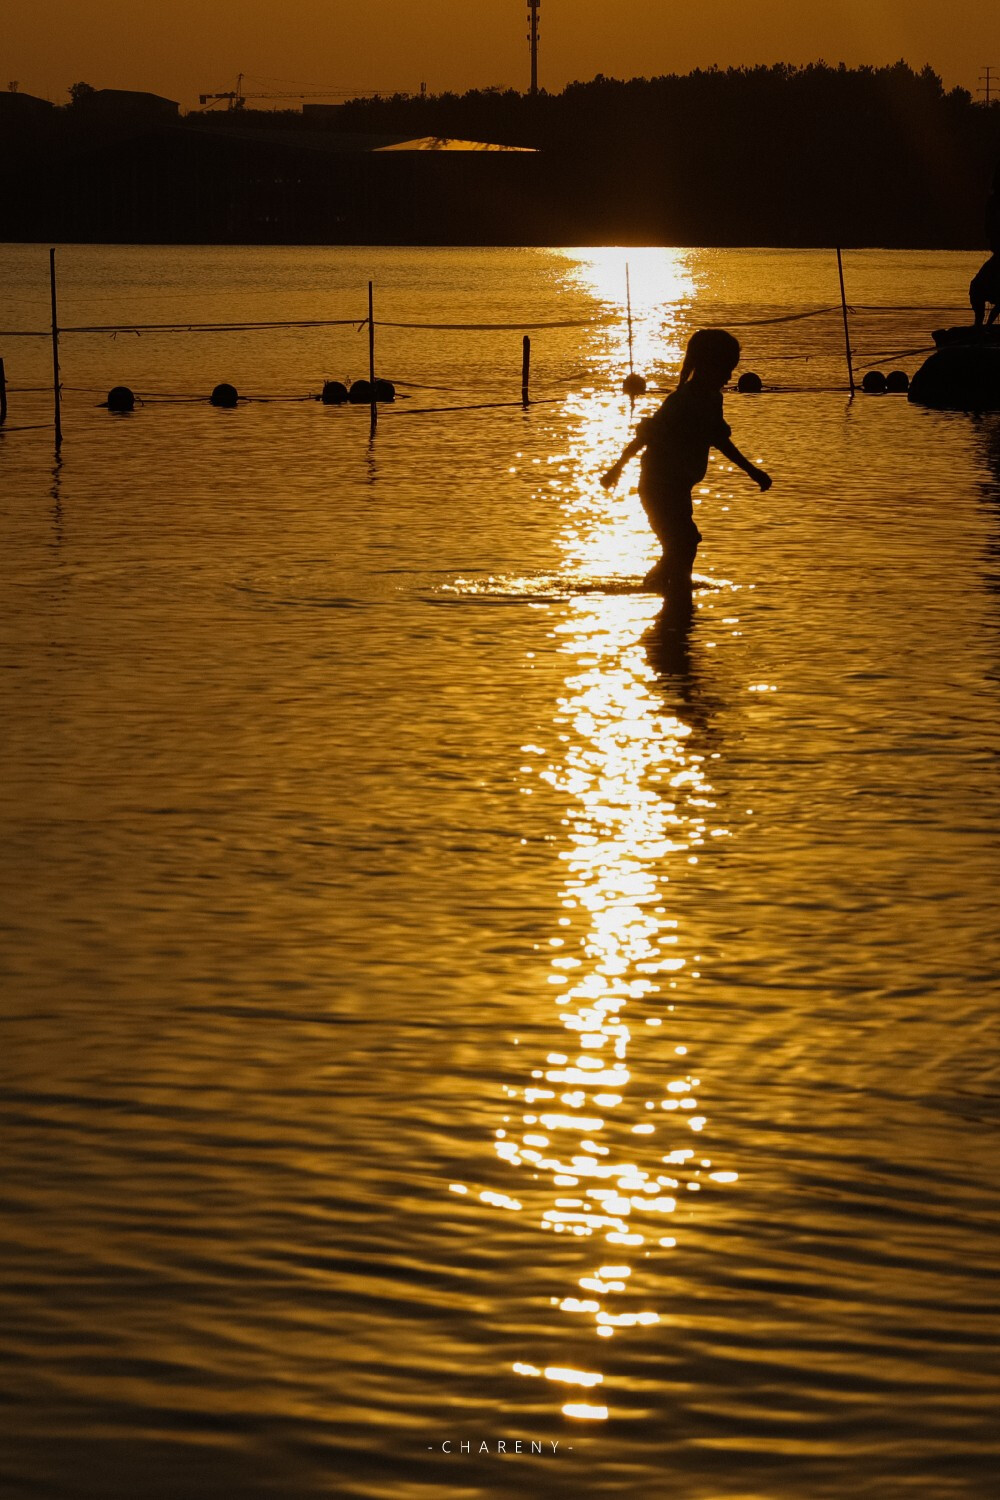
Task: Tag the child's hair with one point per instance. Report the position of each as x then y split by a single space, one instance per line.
712 347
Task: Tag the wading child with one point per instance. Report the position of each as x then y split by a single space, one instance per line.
674 442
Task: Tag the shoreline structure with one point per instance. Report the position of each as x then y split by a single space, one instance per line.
781 156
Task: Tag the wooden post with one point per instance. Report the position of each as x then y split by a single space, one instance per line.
3 394
525 368
628 299
57 415
847 331
371 352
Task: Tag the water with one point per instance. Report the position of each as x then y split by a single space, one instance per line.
444 1001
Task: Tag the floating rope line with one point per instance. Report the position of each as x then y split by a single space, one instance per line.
877 307
420 411
818 312
503 327
870 359
251 327
496 385
359 323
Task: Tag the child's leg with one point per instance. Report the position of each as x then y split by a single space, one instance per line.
680 551
669 516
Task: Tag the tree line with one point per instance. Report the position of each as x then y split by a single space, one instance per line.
775 155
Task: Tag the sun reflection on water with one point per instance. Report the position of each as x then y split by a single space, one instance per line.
662 287
604 1134
606 1154
636 796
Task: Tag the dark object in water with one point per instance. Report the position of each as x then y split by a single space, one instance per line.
960 377
360 393
224 395
967 333
874 383
750 383
120 398
897 380
634 385
334 393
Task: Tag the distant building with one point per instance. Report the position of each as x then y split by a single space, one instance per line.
132 104
15 107
120 179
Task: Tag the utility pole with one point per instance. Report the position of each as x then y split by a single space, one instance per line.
987 80
533 39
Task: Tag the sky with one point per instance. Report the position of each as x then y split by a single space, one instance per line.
181 48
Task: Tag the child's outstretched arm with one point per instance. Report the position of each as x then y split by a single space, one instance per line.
729 450
611 478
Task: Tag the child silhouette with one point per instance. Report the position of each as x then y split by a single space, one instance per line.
675 442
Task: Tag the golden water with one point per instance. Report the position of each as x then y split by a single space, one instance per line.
447 1000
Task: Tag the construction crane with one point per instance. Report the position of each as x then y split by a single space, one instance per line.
236 98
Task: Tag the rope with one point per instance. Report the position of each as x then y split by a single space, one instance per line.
419 411
501 327
359 323
140 328
910 307
495 385
871 359
819 312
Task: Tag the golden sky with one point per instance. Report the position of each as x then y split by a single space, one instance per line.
181 48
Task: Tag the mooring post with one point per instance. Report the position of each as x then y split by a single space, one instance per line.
525 368
628 302
847 330
3 394
57 415
371 352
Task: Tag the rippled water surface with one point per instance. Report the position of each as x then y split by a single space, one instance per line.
447 999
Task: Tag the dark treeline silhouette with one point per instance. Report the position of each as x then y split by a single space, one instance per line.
766 155
763 155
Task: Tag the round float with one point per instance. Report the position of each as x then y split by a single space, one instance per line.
120 398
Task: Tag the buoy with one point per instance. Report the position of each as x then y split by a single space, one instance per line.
334 393
360 393
385 390
634 385
873 383
120 398
897 380
224 395
749 383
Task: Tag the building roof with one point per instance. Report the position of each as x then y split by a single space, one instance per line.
341 142
447 143
14 101
131 99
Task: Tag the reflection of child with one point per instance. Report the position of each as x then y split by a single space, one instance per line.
676 440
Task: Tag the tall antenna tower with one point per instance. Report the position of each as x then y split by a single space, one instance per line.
533 40
989 81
